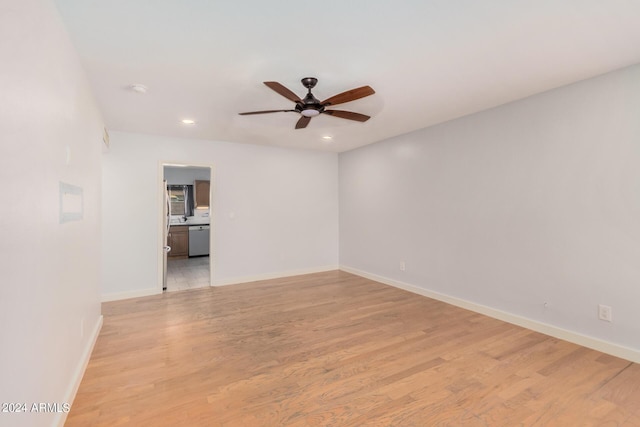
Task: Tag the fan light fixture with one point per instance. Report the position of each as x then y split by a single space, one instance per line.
311 112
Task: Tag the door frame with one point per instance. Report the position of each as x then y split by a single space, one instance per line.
159 209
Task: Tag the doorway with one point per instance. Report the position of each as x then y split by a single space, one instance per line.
186 237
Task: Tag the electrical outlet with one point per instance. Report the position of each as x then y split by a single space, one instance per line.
403 266
605 313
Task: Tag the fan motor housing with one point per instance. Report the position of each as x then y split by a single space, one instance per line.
309 99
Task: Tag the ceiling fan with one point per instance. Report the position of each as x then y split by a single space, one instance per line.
310 106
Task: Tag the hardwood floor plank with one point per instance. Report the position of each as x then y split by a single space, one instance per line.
334 349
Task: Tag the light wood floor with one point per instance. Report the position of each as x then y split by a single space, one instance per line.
334 349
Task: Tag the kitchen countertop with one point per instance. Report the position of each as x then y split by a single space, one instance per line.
190 221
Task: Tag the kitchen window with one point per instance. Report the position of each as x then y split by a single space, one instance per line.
181 198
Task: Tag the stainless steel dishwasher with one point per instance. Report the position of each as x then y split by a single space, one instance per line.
198 240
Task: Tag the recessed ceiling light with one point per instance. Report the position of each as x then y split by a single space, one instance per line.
138 88
188 122
327 138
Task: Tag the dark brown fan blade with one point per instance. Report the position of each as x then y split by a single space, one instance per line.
265 112
349 95
347 115
283 91
303 122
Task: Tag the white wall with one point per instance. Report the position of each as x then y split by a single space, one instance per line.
284 203
532 202
49 272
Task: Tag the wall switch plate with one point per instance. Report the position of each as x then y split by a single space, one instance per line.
403 266
605 313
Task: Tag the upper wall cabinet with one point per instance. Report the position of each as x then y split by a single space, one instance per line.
202 194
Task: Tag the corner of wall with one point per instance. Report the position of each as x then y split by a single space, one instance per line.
78 373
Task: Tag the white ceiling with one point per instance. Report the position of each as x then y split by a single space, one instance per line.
428 60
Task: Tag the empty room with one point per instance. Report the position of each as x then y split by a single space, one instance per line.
416 213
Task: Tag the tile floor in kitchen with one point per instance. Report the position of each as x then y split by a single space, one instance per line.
189 273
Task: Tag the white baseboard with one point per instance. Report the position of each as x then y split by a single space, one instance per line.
551 330
129 294
268 276
79 372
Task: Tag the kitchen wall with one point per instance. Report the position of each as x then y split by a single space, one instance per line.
185 176
275 210
50 132
530 210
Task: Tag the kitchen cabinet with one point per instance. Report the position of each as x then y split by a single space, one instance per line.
202 194
179 241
